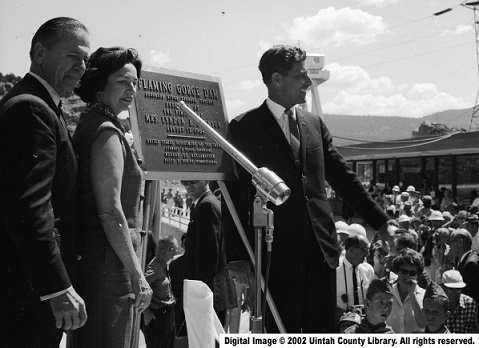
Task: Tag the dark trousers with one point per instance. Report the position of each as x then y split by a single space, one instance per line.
304 291
160 332
29 325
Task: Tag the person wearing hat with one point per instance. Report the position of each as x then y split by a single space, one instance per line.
464 316
377 305
403 198
403 221
466 261
353 274
342 233
435 254
348 319
426 207
396 194
436 309
407 209
436 219
391 211
356 229
459 220
472 225
414 198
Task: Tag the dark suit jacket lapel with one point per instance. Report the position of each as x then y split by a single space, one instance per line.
275 133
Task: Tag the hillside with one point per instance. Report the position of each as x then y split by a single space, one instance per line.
379 128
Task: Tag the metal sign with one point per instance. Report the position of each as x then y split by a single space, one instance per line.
170 143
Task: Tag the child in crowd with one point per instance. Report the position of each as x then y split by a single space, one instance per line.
435 309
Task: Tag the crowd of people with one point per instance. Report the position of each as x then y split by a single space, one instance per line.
430 253
71 217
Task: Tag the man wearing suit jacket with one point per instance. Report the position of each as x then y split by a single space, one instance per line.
305 250
466 261
204 256
38 193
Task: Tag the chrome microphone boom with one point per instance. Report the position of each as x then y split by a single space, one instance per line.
268 184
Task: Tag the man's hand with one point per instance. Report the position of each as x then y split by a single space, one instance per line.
69 310
411 286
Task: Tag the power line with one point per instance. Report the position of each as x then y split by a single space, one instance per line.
418 55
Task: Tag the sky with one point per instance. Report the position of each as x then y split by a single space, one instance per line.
385 57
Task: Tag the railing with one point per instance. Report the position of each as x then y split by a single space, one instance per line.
176 216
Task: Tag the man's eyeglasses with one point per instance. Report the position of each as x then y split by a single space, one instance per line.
406 272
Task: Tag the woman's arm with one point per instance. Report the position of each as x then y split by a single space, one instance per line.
106 175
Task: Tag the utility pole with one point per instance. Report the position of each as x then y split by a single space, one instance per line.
472 5
475 110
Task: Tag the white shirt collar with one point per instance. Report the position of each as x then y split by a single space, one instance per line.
50 89
278 110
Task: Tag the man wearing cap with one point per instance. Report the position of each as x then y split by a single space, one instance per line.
353 274
377 305
464 314
436 309
466 261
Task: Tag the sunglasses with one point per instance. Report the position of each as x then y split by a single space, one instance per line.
406 272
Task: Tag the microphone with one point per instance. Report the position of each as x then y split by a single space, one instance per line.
269 185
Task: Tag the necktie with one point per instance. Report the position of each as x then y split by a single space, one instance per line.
294 135
355 287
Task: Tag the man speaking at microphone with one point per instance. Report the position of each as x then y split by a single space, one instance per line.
297 146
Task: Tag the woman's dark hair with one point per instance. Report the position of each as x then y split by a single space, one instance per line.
408 257
102 63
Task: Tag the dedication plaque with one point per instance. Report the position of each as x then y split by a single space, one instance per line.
170 144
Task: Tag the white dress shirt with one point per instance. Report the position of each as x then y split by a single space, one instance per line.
282 119
402 318
364 275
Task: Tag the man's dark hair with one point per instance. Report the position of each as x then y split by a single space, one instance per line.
102 63
50 32
281 59
352 241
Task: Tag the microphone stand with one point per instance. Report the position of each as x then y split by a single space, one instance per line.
269 187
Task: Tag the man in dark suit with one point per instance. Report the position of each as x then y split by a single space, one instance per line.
305 249
204 256
465 260
38 193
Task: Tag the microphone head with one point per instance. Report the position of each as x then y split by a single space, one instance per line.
270 186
